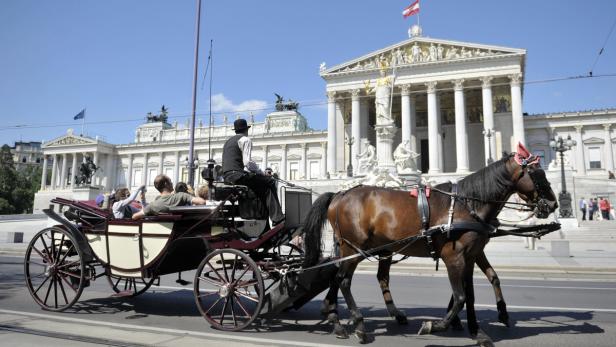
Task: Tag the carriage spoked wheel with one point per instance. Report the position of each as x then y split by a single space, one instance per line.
229 289
129 286
54 269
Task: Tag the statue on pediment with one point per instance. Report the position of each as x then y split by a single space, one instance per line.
86 171
432 56
161 117
415 53
452 53
439 52
281 105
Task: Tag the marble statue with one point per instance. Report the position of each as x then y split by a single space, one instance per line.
439 52
432 53
322 67
383 98
404 158
415 53
366 160
452 53
383 178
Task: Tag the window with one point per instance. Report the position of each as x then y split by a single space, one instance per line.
594 157
169 172
152 173
293 170
136 178
184 176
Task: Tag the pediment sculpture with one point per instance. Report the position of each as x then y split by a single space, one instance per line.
405 158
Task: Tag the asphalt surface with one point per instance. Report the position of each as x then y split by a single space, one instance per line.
545 313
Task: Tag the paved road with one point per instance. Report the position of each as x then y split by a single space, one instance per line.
547 313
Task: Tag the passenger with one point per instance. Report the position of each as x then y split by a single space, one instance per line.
122 207
203 192
181 187
238 168
167 198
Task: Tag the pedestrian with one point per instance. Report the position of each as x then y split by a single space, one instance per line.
595 209
591 208
604 206
583 207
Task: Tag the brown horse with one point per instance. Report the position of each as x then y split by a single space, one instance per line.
366 218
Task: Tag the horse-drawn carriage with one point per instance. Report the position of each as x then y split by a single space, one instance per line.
239 260
245 268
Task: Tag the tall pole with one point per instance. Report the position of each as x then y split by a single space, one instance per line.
562 171
191 146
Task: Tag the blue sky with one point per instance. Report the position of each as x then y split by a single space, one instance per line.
122 59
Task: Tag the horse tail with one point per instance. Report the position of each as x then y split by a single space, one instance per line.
314 222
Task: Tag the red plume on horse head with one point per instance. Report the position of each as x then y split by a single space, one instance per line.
524 155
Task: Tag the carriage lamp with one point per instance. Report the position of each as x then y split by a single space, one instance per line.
192 166
489 133
561 145
350 140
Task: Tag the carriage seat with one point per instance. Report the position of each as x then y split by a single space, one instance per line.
249 205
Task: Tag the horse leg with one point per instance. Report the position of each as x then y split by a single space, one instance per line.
346 275
456 323
487 269
455 272
330 309
471 319
383 277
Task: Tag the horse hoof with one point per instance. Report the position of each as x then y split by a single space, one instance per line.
401 319
426 328
361 336
341 333
483 340
503 317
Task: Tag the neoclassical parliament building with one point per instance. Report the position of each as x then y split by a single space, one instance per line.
459 104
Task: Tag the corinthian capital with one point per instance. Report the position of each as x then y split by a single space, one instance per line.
355 93
458 84
515 78
405 89
431 86
486 82
331 96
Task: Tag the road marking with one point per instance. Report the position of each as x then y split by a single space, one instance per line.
221 336
549 308
548 287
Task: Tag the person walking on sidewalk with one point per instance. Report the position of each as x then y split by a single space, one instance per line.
591 208
583 208
604 206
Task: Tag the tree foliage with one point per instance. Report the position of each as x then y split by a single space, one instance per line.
17 186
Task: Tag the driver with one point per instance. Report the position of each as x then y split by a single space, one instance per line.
238 168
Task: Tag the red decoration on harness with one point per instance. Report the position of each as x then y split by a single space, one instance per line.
523 157
415 192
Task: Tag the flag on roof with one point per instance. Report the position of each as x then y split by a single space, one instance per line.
411 10
80 115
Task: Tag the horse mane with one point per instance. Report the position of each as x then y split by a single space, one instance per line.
487 183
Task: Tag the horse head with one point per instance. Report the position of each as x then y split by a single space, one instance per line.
531 183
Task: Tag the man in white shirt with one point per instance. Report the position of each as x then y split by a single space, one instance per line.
238 168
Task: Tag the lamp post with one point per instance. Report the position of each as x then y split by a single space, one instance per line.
488 133
561 145
350 140
191 166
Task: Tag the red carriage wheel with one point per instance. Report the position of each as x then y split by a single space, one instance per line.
129 286
229 289
54 269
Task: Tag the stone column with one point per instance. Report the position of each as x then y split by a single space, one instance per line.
434 161
95 177
413 123
129 177
302 168
109 172
609 151
73 170
54 169
283 162
44 177
161 163
405 95
331 132
356 125
516 109
441 131
63 172
264 159
488 119
144 174
364 107
324 159
461 135
581 161
176 170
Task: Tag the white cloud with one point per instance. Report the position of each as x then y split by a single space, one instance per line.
220 103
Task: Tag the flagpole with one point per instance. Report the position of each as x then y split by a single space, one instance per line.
83 122
191 145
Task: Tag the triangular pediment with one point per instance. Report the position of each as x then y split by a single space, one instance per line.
593 141
421 50
69 140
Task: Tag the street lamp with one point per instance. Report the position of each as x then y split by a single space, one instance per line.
561 145
350 140
489 133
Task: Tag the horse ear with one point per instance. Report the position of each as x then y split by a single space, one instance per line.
522 151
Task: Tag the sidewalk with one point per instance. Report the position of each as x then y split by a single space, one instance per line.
592 252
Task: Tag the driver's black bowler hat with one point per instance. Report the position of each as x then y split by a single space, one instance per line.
240 124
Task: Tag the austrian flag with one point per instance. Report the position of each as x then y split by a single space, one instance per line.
411 10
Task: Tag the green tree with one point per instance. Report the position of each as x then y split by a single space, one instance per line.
17 187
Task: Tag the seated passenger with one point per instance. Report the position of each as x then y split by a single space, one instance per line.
167 198
122 207
203 192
